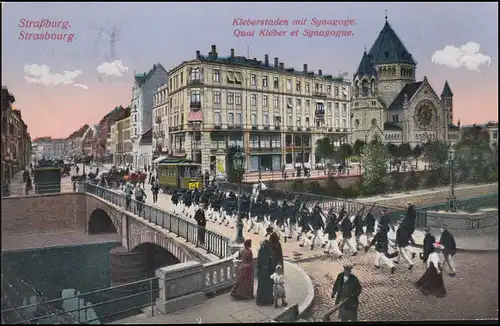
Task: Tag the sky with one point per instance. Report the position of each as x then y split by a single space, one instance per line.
61 85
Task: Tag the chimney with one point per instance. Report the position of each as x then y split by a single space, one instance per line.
266 60
282 65
305 67
276 60
232 53
197 54
320 72
214 51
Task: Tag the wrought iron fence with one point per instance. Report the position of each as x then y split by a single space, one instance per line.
213 242
19 190
117 302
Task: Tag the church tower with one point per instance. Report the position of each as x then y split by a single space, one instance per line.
447 101
366 108
392 61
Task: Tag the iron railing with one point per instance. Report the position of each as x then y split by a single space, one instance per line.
126 299
20 190
214 243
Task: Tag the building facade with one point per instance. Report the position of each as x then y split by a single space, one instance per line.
124 149
160 122
275 114
390 104
145 85
146 149
52 148
16 141
487 131
74 142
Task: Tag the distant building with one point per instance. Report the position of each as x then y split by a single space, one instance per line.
52 148
389 103
16 141
145 85
120 140
487 131
74 142
160 122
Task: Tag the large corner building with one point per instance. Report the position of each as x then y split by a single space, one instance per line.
274 113
388 102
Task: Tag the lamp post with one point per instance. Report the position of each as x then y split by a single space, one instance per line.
238 166
452 200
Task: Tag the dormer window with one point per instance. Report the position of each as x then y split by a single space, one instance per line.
365 88
230 77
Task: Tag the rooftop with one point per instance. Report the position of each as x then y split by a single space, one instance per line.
388 48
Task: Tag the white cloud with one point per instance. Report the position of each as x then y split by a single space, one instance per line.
42 75
81 86
115 68
466 56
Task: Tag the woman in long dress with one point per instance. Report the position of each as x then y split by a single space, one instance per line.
264 272
276 251
432 280
243 288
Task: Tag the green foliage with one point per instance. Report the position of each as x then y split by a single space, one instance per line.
435 153
374 159
358 146
475 161
398 179
417 152
298 185
324 149
332 188
345 151
404 151
411 181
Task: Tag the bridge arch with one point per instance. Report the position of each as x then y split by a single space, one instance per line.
101 223
170 245
155 257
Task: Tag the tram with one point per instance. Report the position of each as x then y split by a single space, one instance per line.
179 173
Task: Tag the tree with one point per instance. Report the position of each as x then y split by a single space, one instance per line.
375 178
416 152
344 152
404 151
324 150
392 150
475 161
435 153
358 147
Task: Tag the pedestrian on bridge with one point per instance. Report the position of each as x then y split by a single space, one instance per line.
201 220
155 188
243 287
129 189
140 197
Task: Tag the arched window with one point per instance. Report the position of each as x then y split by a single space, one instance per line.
397 118
410 72
356 123
374 122
356 89
393 118
364 88
344 123
336 123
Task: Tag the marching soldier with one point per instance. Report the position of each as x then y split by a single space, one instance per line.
303 225
316 224
402 240
331 230
381 243
358 224
346 229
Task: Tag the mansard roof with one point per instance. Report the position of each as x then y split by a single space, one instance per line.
365 67
388 48
446 90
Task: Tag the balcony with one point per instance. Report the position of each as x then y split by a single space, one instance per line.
290 128
158 119
235 127
299 128
266 127
319 94
255 128
196 145
195 82
308 129
218 126
194 126
330 129
277 127
195 104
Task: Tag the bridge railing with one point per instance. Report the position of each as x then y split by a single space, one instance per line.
19 190
213 242
112 303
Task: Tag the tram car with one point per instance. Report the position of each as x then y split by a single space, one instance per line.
179 174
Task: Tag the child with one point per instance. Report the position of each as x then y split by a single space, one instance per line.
279 286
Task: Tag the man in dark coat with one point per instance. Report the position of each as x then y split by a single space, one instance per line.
347 287
450 248
264 272
200 219
410 219
428 246
385 221
276 251
381 243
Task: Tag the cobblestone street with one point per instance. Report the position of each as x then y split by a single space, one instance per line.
472 294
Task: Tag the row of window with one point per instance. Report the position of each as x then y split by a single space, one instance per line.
236 77
236 119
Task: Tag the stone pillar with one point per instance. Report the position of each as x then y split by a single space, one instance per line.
126 266
205 151
180 286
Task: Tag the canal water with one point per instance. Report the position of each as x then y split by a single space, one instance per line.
64 272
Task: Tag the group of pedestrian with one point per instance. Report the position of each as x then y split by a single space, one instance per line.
138 192
270 273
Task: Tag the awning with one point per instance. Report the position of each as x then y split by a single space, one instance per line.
195 116
159 159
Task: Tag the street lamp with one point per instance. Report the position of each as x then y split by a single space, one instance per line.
238 166
452 200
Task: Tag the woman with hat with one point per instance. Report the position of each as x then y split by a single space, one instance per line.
432 280
264 284
243 287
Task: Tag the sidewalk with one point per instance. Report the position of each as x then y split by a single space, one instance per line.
223 309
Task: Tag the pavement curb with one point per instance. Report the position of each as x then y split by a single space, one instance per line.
307 303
